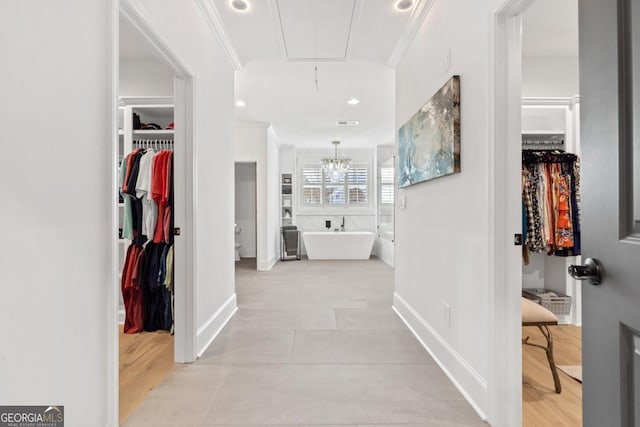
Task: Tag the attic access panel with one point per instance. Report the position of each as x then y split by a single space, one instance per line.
314 29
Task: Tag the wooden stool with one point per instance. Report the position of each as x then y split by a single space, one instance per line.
536 315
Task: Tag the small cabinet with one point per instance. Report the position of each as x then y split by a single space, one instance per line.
286 198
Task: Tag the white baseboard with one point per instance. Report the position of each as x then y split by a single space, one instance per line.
212 327
466 379
266 265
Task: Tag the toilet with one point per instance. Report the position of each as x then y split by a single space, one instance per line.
237 241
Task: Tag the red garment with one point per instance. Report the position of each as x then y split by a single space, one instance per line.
131 295
167 224
157 191
165 198
136 294
167 178
128 173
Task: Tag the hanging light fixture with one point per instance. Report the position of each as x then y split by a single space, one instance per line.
335 167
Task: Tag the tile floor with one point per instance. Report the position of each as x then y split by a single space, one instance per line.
314 343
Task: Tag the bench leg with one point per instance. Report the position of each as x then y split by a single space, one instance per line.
549 351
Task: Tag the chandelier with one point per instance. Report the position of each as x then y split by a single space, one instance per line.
335 167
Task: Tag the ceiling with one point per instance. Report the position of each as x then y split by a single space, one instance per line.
551 29
285 95
317 29
278 44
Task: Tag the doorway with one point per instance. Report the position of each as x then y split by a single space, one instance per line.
156 317
245 229
550 122
536 103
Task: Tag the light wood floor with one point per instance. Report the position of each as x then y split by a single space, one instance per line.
542 406
145 359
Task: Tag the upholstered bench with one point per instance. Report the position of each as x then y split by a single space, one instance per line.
534 314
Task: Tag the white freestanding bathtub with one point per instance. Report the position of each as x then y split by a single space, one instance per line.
338 244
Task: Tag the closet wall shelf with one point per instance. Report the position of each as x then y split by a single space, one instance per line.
544 132
154 132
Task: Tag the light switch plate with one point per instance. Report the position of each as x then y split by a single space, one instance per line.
402 203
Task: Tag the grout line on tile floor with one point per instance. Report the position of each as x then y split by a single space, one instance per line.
293 346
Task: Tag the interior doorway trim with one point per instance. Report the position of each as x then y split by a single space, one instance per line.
505 216
185 213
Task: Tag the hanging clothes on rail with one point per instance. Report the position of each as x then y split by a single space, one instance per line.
551 203
146 184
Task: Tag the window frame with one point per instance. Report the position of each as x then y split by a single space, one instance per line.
323 206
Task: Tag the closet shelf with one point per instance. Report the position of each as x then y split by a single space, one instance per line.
543 132
154 132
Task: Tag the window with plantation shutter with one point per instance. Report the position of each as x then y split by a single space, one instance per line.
324 190
386 186
312 186
357 185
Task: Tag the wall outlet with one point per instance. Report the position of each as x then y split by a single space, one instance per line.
402 202
446 312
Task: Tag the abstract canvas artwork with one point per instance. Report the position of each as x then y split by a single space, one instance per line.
429 143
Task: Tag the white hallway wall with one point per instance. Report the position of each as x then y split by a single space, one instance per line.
42 361
245 214
59 121
256 142
441 237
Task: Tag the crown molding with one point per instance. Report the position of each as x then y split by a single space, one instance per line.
418 16
353 25
277 28
216 25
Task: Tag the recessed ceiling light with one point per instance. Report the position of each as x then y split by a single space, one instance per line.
239 5
353 101
241 103
403 5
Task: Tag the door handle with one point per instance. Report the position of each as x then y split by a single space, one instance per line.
591 271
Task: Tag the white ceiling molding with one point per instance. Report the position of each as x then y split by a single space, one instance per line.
418 16
355 18
316 59
356 9
212 17
277 28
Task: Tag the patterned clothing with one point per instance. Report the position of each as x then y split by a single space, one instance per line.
551 198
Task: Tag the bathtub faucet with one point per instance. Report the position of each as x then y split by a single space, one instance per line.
342 226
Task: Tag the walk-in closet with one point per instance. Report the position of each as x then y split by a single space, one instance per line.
551 216
146 216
